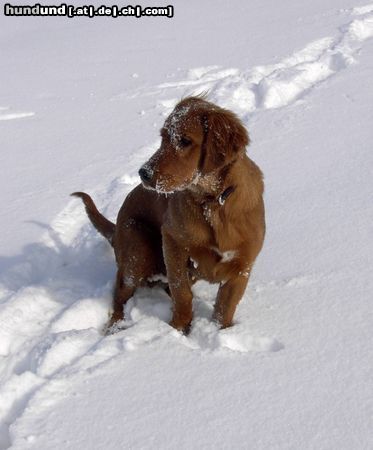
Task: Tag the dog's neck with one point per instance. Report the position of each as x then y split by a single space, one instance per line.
215 185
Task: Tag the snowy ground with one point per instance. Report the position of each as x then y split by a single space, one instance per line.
81 102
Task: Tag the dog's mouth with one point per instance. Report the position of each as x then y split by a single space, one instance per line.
165 184
159 188
162 187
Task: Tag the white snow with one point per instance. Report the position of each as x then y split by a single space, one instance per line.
12 116
225 256
82 101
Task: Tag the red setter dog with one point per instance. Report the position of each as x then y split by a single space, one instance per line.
210 225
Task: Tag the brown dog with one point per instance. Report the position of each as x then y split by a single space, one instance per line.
210 227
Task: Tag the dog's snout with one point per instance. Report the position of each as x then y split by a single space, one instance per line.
146 174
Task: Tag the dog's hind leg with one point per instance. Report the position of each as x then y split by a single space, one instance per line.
136 255
123 291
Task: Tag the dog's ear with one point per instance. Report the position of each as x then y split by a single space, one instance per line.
225 138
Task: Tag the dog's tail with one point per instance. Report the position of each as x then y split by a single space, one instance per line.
101 223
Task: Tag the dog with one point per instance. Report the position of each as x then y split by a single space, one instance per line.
198 214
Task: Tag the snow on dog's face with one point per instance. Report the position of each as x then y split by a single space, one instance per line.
197 139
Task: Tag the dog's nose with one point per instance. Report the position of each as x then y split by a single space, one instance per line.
146 174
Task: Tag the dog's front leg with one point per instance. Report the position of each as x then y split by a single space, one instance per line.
176 259
229 295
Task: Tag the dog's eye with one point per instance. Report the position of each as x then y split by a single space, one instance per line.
184 142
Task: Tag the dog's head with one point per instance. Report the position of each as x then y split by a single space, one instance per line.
198 138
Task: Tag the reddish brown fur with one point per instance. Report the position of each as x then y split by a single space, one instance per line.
188 234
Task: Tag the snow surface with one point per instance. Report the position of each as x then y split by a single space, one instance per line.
81 103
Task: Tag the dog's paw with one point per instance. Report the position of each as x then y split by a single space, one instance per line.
181 326
114 326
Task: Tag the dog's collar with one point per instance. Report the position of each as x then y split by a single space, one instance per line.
220 199
225 194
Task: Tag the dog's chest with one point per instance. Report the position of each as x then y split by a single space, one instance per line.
202 226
